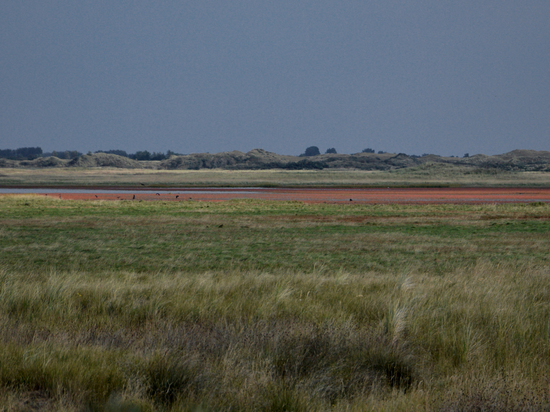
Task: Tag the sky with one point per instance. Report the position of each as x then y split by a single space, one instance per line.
427 76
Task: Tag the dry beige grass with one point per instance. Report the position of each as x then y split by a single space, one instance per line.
441 176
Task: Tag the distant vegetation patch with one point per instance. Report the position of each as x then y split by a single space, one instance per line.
258 159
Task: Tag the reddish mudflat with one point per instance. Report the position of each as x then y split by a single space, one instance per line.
390 195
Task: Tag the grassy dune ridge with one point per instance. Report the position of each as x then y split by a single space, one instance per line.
255 305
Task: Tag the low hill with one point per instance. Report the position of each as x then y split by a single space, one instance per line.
517 160
531 160
107 160
262 159
526 160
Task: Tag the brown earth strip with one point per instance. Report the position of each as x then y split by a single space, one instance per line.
391 195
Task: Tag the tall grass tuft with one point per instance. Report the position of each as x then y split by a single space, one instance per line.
298 307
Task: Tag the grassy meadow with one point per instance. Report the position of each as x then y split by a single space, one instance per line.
251 305
429 174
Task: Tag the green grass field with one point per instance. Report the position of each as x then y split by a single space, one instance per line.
254 305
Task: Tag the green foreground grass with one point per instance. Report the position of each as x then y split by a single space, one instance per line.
253 305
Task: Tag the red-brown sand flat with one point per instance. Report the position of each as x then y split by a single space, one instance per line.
390 195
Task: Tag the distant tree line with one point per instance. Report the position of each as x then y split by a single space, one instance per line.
314 151
23 153
30 153
140 155
369 150
63 154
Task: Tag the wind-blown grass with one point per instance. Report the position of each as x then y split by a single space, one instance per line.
153 306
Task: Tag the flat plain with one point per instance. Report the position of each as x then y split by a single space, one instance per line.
426 175
312 195
273 305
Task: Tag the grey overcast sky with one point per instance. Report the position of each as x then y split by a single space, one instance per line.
426 76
